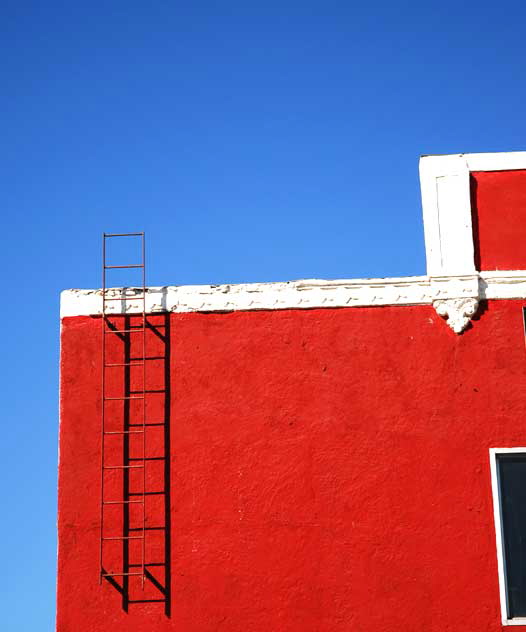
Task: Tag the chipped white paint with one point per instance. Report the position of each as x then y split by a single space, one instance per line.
252 296
453 286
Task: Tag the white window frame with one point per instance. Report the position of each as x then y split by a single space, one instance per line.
497 513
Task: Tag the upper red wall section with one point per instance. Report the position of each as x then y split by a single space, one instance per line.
328 470
499 219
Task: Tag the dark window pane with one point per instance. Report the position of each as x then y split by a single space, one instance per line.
512 479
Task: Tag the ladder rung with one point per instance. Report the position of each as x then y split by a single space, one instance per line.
135 265
121 398
121 467
122 432
120 574
122 502
125 364
124 537
141 234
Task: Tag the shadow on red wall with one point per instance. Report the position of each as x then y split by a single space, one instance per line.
135 514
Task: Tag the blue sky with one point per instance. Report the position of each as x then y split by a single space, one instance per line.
252 141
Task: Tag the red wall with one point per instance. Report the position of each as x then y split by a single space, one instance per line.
499 219
329 471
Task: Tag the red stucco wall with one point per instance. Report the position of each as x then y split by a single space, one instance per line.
329 471
498 201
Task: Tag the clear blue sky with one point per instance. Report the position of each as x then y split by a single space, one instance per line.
250 140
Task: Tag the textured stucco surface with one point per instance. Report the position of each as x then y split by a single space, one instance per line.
329 471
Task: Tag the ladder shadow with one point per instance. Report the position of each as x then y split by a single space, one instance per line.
157 572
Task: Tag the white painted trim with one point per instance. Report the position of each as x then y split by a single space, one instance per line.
255 296
446 206
501 284
499 161
493 161
306 294
501 563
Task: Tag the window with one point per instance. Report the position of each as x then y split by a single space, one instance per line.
508 474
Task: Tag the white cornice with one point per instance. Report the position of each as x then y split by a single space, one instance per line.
252 296
306 294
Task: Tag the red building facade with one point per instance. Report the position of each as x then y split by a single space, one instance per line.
316 456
